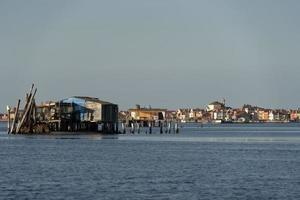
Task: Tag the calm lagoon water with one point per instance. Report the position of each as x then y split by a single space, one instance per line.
254 161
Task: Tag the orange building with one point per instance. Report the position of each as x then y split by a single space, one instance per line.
263 115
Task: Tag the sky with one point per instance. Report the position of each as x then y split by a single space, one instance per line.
164 53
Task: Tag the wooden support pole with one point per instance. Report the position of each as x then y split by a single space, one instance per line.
29 117
13 127
29 121
132 127
138 127
176 128
34 112
166 126
31 90
161 127
28 97
8 122
169 127
150 128
123 128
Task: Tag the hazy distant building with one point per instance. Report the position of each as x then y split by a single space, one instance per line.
147 114
215 106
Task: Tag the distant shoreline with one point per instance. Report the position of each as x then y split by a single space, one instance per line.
266 122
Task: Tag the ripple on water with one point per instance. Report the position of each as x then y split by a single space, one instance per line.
184 166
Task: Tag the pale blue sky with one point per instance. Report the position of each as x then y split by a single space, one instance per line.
164 53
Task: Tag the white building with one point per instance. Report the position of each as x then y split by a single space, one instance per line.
271 116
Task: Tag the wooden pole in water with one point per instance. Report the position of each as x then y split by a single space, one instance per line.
150 128
28 97
8 122
123 128
161 127
169 127
13 127
138 127
146 125
34 112
29 121
166 126
132 127
176 128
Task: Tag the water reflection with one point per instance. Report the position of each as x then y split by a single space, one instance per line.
62 136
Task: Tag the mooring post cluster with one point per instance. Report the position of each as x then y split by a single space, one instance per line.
147 127
25 122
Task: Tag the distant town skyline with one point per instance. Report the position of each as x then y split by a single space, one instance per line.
169 54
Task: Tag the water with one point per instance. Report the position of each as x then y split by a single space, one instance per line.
213 162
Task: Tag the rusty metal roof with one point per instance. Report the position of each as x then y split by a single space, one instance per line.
94 99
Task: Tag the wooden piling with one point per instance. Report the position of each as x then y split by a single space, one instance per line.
132 128
161 128
138 127
123 128
13 127
28 97
176 128
8 122
150 128
166 126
